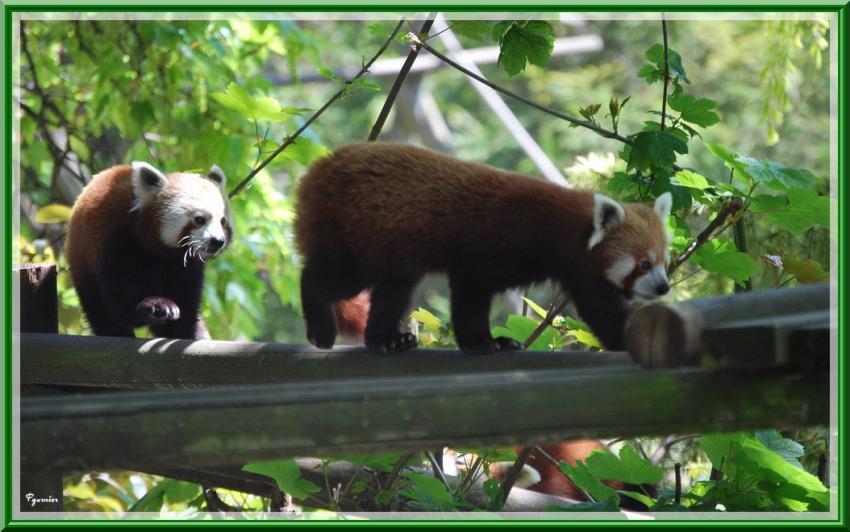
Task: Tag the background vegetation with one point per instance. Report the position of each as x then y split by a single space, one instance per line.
747 116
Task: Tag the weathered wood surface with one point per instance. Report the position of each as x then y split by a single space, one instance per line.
219 426
163 363
39 313
39 308
753 329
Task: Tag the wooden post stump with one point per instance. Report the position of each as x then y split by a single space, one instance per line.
40 486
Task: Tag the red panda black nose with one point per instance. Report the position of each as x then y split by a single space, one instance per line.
215 244
662 288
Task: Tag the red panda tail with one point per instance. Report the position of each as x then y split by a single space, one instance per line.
351 315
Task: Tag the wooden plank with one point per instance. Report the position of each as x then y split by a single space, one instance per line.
214 427
763 342
164 363
40 486
741 330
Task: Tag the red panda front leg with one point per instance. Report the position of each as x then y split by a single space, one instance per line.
390 298
604 308
470 306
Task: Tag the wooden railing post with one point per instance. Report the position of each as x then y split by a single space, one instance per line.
40 485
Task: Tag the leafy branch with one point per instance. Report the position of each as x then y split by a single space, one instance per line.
342 92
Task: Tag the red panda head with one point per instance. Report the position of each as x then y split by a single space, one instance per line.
184 210
632 244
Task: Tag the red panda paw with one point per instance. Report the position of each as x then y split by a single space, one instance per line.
398 342
157 310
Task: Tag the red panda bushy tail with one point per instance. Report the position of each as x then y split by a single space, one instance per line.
351 315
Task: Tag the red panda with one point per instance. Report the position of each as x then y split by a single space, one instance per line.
381 216
136 246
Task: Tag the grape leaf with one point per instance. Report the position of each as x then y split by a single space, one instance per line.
687 178
586 481
476 30
531 42
784 447
717 258
655 150
805 210
695 111
287 476
777 176
629 467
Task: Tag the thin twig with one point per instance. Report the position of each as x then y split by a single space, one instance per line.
291 138
438 472
573 120
730 207
405 68
666 72
498 503
403 459
678 495
554 310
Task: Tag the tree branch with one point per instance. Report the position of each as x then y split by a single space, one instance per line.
510 479
405 68
571 119
730 207
291 138
554 310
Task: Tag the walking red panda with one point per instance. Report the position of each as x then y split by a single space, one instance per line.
381 216
136 246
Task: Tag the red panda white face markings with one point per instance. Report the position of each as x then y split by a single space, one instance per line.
192 211
639 264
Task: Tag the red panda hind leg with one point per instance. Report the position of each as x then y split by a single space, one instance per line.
470 307
390 298
321 288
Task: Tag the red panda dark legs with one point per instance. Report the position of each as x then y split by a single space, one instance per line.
604 308
390 298
470 307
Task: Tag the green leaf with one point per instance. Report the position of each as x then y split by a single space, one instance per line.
589 111
181 492
256 108
655 150
777 176
585 337
528 43
53 213
687 178
655 54
744 459
476 30
650 74
588 482
540 311
286 474
304 151
378 462
520 328
629 467
764 202
152 500
429 321
730 160
719 257
784 447
695 111
430 491
805 210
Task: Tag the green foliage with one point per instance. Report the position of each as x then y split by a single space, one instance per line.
522 43
286 474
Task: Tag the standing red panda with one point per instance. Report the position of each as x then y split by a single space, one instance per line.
137 243
381 216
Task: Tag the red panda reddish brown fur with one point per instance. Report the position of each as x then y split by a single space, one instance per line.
380 216
136 248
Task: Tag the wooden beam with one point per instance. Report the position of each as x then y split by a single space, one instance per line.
227 426
741 330
163 363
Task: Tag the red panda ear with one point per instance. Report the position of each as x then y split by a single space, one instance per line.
607 216
147 180
216 175
663 205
